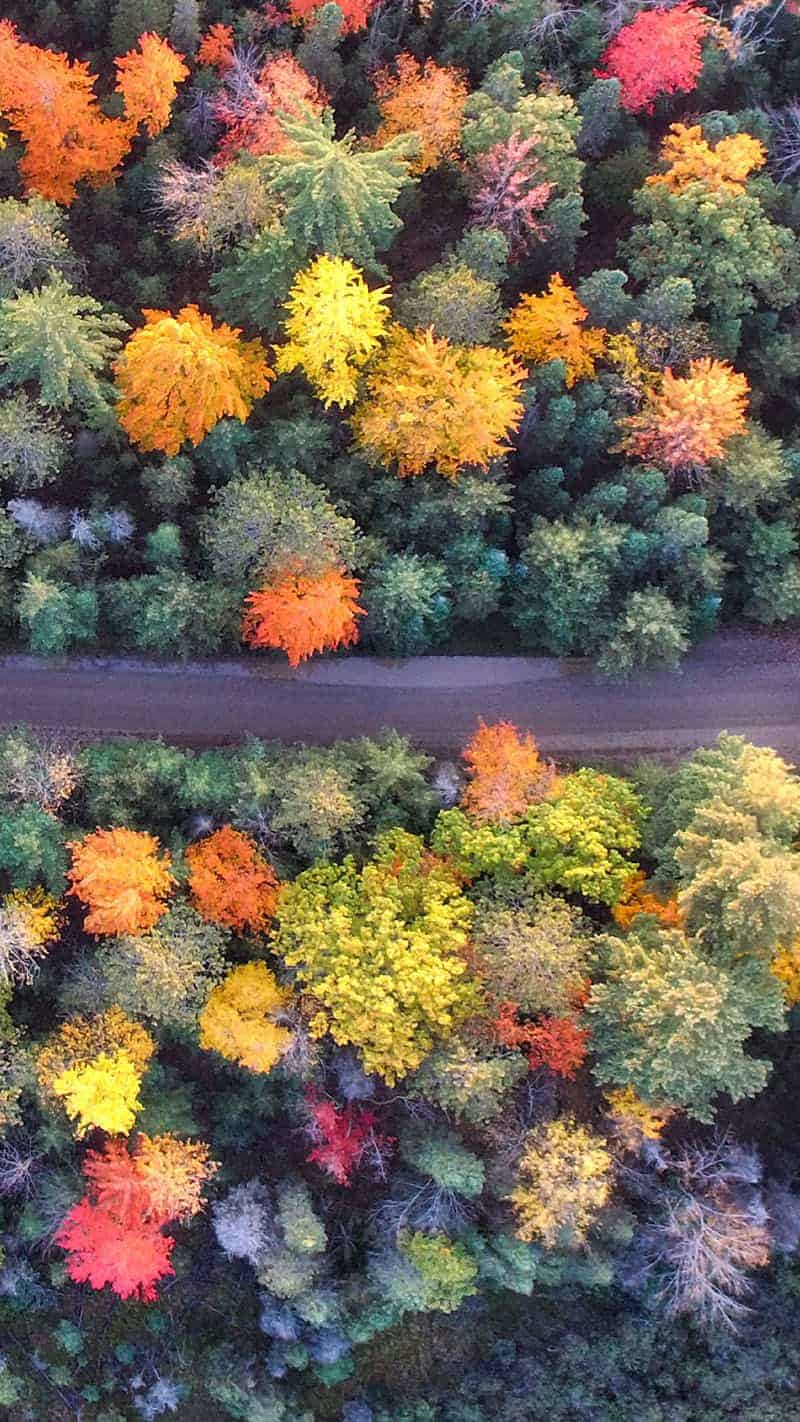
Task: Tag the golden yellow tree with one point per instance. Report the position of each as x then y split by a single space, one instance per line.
425 99
239 1019
94 1066
335 324
552 327
691 159
179 375
430 403
564 1178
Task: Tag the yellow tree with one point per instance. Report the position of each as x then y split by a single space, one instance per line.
430 403
94 1066
335 324
564 1178
239 1019
691 159
552 327
179 375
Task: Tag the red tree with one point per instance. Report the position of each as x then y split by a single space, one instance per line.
557 1043
104 1249
253 101
343 1133
658 53
216 47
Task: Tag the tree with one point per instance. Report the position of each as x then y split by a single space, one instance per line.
334 324
32 447
650 633
253 102
148 79
29 924
337 198
167 973
658 53
557 1043
56 616
102 1250
407 604
267 520
471 1085
32 848
344 1135
381 950
216 47
509 192
355 13
132 18
120 877
231 882
60 341
241 1019
673 1025
32 243
534 951
564 1179
184 30
506 773
563 591
179 375
423 99
171 614
160 1179
692 159
551 327
95 1065
454 301
445 1269
300 614
688 420
432 403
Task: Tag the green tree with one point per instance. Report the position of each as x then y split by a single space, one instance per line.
32 447
33 849
534 948
56 616
133 18
674 1026
132 783
32 243
171 614
459 305
336 197
562 599
268 520
184 29
755 471
406 598
62 343
166 974
650 633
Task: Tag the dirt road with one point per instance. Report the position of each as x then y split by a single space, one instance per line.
743 682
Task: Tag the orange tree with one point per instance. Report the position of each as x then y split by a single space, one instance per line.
425 99
121 878
230 880
506 773
179 375
552 327
301 613
689 419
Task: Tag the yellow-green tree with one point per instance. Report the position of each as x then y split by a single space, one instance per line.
335 324
94 1066
564 1178
381 950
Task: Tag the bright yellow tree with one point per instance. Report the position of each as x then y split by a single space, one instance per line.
335 324
564 1178
692 159
552 327
433 404
102 1094
238 1021
179 375
94 1066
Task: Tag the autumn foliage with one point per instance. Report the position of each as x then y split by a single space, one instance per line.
50 100
689 419
638 899
238 1021
355 13
552 327
179 375
510 193
431 403
94 1066
725 166
231 882
658 53
250 106
121 878
557 1043
114 1235
216 47
343 1133
301 614
506 774
334 324
424 99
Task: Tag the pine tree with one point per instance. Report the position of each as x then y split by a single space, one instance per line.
60 341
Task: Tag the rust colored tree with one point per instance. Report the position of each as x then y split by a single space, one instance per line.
231 882
688 420
425 99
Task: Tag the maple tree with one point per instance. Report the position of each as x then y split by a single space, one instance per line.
506 773
425 99
334 324
510 191
658 53
121 878
148 79
558 1043
216 47
355 13
239 1019
302 613
433 403
29 923
102 1249
231 882
637 898
253 104
552 327
160 1179
179 375
688 420
343 1132
95 1066
691 159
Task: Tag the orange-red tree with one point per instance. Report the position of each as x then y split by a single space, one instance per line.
424 99
552 327
506 774
122 879
300 614
689 419
179 375
148 78
355 13
431 403
251 112
216 47
231 881
659 52
102 1249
